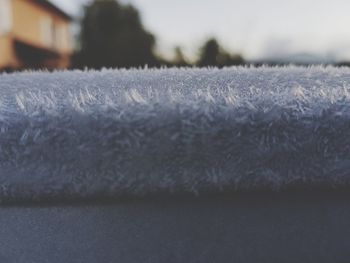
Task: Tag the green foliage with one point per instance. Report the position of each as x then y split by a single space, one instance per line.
211 54
112 35
179 59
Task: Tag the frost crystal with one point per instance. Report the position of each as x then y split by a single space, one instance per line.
137 132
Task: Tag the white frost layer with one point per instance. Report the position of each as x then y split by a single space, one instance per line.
137 132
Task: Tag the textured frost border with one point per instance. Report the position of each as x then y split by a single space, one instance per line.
132 133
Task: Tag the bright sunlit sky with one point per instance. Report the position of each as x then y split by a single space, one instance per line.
255 28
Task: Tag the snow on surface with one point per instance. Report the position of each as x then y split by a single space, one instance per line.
137 132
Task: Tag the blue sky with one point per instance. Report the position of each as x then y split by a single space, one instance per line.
255 28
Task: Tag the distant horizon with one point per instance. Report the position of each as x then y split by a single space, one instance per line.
259 30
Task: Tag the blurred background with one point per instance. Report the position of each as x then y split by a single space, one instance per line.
60 34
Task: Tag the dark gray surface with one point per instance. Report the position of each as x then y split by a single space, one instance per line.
246 228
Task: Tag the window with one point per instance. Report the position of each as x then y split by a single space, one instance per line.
47 34
62 37
5 16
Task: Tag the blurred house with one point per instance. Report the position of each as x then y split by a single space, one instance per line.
34 34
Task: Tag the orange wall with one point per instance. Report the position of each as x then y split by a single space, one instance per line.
27 19
7 57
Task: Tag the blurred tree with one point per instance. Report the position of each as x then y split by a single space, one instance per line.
212 54
227 59
112 35
209 54
179 59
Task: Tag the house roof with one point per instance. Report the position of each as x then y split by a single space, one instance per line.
48 4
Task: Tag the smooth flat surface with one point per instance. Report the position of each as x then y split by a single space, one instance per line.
246 228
